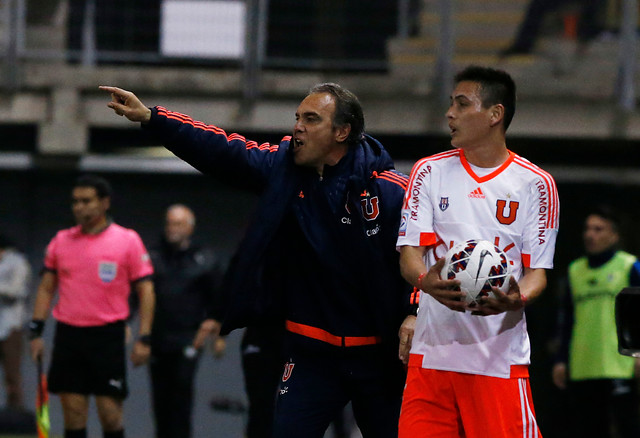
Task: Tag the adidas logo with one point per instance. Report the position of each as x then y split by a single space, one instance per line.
477 193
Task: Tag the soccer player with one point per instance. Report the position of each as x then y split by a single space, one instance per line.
600 381
92 267
319 257
468 366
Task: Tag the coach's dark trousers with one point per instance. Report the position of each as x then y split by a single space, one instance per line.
172 376
318 384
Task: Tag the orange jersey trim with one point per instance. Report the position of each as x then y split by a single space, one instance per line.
552 220
419 163
428 239
490 176
325 336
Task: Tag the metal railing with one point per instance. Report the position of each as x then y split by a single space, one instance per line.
255 57
627 55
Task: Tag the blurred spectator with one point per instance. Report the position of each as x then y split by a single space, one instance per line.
588 23
14 290
599 379
186 279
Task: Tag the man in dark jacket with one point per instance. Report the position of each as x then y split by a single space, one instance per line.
187 278
319 256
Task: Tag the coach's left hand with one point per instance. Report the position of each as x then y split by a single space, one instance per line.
406 338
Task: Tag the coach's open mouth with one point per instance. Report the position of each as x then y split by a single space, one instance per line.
297 144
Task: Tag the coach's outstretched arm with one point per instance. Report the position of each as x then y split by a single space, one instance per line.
127 104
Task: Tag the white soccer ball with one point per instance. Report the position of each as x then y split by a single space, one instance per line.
478 265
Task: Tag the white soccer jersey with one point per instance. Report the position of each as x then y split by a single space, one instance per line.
516 207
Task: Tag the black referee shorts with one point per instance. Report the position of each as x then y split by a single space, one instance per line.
89 360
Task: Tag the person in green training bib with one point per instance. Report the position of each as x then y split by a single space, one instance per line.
600 381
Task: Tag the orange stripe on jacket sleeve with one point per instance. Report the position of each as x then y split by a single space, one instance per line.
249 144
401 183
526 260
428 239
415 296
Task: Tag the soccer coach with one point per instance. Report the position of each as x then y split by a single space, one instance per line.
319 257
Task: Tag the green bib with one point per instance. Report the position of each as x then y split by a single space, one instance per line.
593 352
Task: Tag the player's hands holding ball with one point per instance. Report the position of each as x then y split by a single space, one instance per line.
127 104
500 301
484 277
446 292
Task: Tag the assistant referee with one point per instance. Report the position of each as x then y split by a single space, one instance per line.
92 267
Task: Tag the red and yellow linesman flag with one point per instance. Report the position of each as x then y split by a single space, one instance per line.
42 404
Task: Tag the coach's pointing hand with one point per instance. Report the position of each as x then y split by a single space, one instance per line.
127 104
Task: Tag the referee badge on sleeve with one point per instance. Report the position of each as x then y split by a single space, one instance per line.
107 271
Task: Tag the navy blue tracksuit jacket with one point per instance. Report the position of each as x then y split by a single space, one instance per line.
320 252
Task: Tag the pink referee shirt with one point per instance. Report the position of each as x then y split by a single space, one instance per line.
95 272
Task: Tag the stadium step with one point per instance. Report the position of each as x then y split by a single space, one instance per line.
482 28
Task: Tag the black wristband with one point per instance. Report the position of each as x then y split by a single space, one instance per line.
36 327
145 339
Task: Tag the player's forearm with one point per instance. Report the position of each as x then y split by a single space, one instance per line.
412 264
533 283
147 305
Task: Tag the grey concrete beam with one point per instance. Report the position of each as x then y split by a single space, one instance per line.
65 130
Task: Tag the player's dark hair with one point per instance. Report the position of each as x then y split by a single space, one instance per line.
608 213
101 185
348 109
496 87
